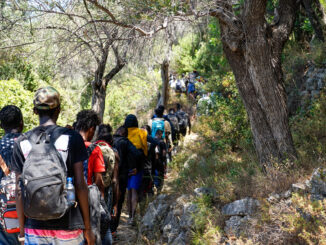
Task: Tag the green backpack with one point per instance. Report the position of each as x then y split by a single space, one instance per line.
109 160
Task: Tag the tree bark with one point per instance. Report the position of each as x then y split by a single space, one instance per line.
314 19
100 83
254 54
165 83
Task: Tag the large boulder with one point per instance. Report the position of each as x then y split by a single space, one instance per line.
168 220
155 214
243 207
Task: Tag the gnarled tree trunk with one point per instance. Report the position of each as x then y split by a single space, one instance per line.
253 50
101 81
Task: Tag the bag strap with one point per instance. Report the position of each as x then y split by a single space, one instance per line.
4 166
90 149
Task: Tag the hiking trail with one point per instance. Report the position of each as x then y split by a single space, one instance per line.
128 234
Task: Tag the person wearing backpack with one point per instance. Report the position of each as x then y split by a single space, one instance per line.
94 167
11 121
159 162
129 157
138 137
175 122
44 157
110 179
184 121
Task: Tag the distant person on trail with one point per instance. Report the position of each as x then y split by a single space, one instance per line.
138 137
184 121
160 161
54 218
147 182
110 179
159 122
94 167
129 156
11 121
175 122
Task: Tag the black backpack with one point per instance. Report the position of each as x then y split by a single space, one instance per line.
44 177
175 121
183 120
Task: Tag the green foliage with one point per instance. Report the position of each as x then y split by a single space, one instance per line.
15 67
132 91
205 54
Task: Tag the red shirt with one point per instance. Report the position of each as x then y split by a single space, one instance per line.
95 163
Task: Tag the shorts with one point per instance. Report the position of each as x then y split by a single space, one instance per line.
134 181
37 236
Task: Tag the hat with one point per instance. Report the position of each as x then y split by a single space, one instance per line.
46 98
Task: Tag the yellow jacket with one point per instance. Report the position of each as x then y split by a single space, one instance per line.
138 138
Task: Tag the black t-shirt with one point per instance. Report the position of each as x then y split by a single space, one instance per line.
72 149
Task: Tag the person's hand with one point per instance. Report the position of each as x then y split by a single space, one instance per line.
133 172
89 237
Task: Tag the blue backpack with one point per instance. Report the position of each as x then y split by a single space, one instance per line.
158 125
191 87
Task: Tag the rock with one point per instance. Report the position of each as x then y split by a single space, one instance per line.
274 198
169 220
320 84
318 184
287 194
243 207
315 94
310 84
236 225
155 214
193 157
199 192
299 188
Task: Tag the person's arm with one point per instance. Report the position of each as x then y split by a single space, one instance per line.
98 180
134 155
82 196
98 166
19 206
115 182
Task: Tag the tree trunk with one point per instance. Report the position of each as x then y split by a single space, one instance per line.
101 82
165 83
314 19
98 99
254 53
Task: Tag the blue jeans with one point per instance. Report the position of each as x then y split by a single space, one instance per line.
108 238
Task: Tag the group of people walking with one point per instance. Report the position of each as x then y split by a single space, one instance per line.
68 184
191 84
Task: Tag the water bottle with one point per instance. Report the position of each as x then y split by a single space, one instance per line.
70 192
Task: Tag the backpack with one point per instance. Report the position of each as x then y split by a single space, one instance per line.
191 87
109 160
174 120
44 177
158 125
183 120
178 86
